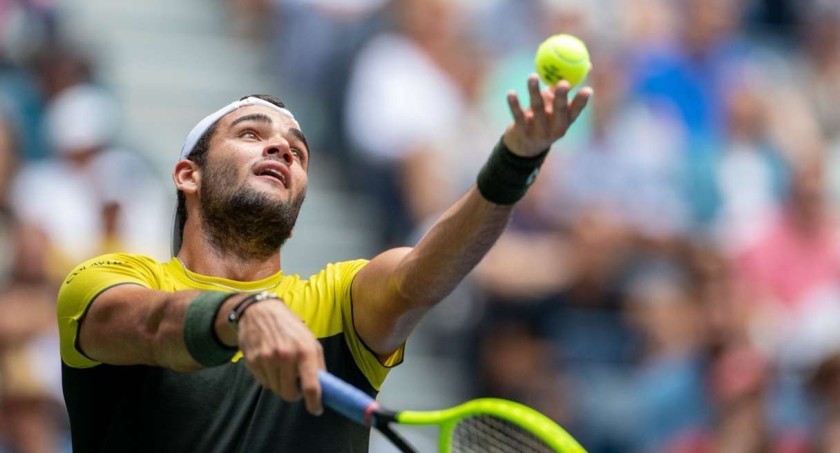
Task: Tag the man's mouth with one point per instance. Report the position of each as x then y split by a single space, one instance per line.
274 171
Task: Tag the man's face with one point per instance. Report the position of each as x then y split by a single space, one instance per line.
253 181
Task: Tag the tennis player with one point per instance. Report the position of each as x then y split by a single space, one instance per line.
218 349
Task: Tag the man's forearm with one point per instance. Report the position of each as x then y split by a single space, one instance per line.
451 249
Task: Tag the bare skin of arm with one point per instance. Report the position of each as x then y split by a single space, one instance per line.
393 292
132 325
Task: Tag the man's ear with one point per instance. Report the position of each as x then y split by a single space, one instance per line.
186 176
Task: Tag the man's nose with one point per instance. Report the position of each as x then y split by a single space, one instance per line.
280 150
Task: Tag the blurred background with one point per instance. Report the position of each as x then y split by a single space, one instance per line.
670 284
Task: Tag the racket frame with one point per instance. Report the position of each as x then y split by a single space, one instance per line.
361 408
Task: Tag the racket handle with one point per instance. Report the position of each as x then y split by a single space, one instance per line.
345 399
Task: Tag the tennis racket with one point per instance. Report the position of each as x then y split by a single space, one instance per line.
483 425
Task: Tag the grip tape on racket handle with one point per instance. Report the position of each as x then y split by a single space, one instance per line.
346 399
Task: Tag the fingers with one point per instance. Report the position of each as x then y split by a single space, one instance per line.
547 118
309 366
549 110
540 117
296 375
516 109
273 366
282 354
560 117
579 102
288 380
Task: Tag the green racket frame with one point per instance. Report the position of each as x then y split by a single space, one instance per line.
518 414
361 408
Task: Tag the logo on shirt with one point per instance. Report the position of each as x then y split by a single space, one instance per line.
92 265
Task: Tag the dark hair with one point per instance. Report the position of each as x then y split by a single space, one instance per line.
199 155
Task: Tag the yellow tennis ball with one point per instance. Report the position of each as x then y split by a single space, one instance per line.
562 57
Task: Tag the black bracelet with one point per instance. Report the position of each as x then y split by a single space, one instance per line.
505 177
235 314
200 329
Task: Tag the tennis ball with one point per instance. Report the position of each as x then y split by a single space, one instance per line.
562 57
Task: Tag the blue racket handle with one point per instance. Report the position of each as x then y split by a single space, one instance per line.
345 399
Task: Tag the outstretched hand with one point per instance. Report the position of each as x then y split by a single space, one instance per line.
546 120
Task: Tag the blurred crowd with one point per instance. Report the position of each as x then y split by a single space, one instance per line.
670 284
69 190
672 281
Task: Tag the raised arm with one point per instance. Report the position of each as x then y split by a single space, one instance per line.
391 294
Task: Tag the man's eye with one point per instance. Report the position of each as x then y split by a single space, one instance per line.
248 134
297 152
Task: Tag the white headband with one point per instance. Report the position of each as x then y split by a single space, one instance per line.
203 125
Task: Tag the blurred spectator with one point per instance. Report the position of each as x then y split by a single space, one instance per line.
26 27
31 404
313 44
404 97
725 307
788 274
796 254
31 413
825 385
739 381
750 171
821 60
9 163
670 377
513 346
779 20
9 157
98 184
822 66
60 66
687 72
591 341
21 104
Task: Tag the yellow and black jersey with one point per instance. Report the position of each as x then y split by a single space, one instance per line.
143 408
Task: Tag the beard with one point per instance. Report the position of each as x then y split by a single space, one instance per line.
242 221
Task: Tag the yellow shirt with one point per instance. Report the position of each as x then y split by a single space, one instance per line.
323 301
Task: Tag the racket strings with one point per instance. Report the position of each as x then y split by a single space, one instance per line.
490 434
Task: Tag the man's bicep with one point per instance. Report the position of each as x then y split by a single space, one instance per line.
381 316
119 324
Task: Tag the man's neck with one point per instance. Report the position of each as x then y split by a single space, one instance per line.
196 258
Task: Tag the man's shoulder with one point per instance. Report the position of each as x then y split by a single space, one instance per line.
111 261
123 259
340 269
